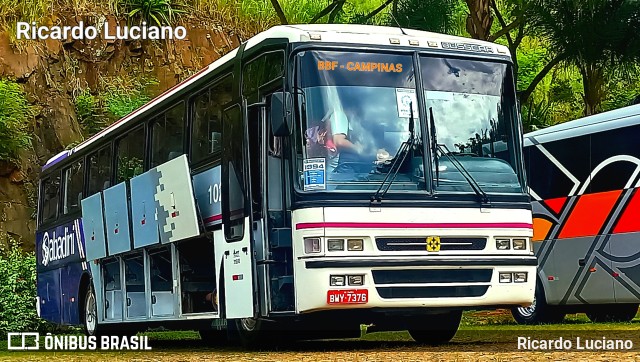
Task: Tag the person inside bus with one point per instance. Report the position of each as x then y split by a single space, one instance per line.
337 132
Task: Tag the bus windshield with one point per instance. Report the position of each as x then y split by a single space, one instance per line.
354 110
472 111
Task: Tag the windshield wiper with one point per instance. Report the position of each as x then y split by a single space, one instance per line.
484 198
398 160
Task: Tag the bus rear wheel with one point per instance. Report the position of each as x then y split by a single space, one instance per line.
612 313
435 329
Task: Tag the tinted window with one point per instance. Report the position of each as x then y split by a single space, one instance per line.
130 155
99 170
262 70
206 138
233 168
50 195
73 183
167 135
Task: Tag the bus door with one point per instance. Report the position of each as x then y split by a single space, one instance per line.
237 261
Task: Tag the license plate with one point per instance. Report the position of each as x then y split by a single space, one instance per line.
352 296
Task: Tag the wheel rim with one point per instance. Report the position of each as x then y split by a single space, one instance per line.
90 314
248 324
528 311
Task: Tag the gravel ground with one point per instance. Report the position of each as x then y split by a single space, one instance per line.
338 350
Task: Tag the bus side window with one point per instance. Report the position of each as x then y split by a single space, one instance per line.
206 136
130 155
73 184
99 170
261 71
167 135
50 195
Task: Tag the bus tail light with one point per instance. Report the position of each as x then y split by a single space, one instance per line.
355 244
311 245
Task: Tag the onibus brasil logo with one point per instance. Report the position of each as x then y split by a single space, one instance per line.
31 341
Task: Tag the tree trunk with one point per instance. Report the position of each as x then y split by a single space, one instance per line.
480 19
593 86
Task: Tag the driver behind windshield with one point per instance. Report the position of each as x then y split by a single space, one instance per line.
343 149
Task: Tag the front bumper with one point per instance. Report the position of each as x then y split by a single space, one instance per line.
415 282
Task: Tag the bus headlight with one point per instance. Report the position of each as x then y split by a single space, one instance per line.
503 244
355 244
519 244
504 277
355 279
311 245
336 280
520 277
335 245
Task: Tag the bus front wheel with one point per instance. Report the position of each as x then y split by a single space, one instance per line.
435 329
91 327
539 311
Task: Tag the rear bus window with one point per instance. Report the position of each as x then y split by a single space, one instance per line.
50 197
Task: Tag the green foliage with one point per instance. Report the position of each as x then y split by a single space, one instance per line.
429 15
18 291
158 12
15 113
129 167
121 98
89 113
12 11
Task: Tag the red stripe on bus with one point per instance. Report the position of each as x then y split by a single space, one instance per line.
213 218
368 225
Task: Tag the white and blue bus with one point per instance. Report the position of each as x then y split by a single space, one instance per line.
314 179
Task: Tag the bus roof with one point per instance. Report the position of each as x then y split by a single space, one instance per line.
330 33
587 125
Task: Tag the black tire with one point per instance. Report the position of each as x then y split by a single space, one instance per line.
90 314
256 333
435 329
539 312
612 313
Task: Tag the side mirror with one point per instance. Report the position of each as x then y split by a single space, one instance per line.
280 114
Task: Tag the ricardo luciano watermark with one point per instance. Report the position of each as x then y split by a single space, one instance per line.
574 344
31 341
33 31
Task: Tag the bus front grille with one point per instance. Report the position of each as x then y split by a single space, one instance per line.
432 292
420 244
431 283
408 276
